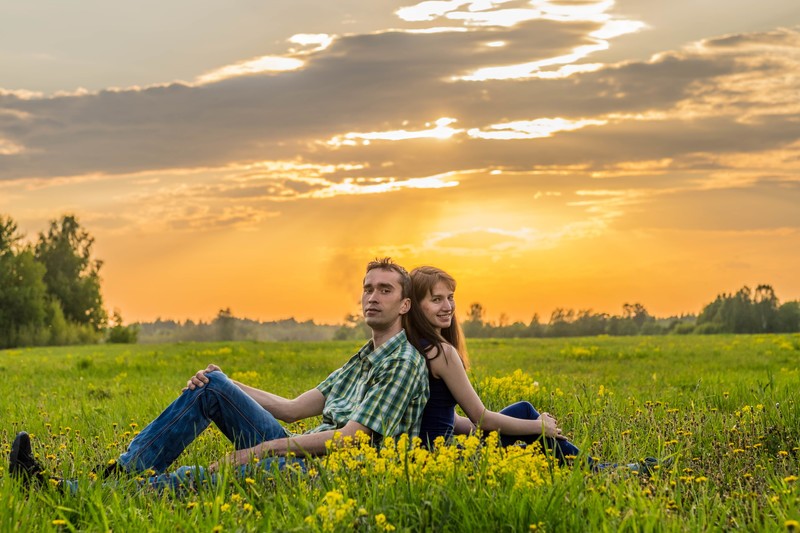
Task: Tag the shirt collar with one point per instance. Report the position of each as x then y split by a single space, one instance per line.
372 355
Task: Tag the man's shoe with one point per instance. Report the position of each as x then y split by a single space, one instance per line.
22 463
650 464
112 469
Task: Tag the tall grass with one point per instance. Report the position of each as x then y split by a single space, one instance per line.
725 408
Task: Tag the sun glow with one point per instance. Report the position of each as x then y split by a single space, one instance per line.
442 130
315 41
532 129
257 65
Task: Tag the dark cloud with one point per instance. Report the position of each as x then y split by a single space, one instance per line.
378 81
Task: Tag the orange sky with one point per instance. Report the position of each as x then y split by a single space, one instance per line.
575 154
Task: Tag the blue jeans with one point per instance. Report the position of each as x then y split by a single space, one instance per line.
561 448
243 421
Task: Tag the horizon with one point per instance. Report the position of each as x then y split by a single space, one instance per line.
579 154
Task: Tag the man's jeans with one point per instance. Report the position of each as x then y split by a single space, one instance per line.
561 448
243 421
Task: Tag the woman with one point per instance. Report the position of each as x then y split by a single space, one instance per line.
431 326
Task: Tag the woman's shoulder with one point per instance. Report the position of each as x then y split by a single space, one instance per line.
449 356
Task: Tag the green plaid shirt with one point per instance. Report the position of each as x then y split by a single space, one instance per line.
384 389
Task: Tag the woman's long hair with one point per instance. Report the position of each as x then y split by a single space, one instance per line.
419 330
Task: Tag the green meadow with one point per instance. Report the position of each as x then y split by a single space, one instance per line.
723 408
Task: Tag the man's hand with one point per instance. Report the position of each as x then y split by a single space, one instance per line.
236 458
200 379
550 426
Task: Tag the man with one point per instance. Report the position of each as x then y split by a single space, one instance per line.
381 390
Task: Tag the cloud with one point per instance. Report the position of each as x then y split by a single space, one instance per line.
256 65
386 113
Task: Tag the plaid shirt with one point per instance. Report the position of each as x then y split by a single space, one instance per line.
384 389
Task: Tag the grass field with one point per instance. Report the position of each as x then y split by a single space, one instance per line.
725 408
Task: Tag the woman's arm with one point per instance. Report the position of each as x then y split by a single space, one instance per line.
449 368
463 426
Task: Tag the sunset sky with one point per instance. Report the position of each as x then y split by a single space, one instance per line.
255 155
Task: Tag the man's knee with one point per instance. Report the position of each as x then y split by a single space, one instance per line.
216 381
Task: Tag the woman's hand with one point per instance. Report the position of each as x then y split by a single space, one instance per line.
200 379
550 426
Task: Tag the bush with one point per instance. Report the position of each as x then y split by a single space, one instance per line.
709 328
684 328
120 334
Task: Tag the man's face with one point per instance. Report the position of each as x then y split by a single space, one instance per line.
382 300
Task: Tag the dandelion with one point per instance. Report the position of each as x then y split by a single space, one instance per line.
792 525
248 507
250 481
191 505
783 453
59 522
790 479
380 521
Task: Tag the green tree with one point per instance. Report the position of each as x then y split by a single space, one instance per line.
560 324
354 328
588 323
225 325
120 334
637 314
474 326
766 306
535 328
789 317
72 276
22 290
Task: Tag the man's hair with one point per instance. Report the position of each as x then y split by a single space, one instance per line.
386 263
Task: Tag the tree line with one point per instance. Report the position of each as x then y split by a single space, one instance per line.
50 295
744 311
228 327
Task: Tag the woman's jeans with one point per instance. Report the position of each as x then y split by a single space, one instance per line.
561 448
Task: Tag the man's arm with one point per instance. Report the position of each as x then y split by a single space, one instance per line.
310 444
308 404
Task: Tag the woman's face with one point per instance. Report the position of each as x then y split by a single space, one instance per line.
438 306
